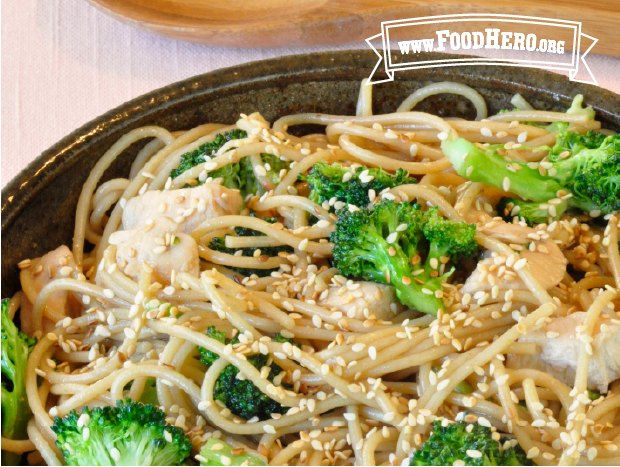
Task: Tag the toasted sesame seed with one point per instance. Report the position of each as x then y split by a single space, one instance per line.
532 453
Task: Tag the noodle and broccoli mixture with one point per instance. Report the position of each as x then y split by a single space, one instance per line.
402 289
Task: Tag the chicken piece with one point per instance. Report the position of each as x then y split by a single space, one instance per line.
354 298
160 244
189 207
558 355
475 216
547 263
58 263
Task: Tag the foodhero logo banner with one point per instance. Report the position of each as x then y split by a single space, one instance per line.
504 40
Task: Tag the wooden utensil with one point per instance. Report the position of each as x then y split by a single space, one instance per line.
270 23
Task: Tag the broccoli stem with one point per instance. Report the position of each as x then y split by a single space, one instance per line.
489 167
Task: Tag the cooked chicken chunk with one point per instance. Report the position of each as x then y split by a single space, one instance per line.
361 300
189 207
558 346
160 244
58 263
546 263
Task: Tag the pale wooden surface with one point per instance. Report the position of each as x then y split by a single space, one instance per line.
272 23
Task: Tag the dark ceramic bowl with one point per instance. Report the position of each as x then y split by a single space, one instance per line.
38 206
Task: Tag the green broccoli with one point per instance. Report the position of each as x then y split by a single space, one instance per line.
16 346
592 176
206 151
241 456
237 175
242 397
570 143
451 443
386 244
328 181
206 356
131 433
240 175
219 244
149 394
577 108
532 213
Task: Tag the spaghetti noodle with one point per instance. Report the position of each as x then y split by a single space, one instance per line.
365 388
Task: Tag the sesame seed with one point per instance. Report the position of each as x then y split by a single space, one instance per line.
443 384
532 453
486 132
116 454
473 453
506 184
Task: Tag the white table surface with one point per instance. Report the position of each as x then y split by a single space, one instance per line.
64 63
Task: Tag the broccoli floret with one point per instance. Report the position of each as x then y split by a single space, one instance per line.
448 239
206 356
386 244
131 433
240 175
592 176
219 244
572 142
328 181
532 213
242 397
240 456
448 444
237 175
206 151
16 346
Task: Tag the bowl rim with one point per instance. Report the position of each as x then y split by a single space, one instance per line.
285 69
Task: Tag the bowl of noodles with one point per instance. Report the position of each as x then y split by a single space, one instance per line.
275 264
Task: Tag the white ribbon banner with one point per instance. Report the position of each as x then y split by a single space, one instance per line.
507 40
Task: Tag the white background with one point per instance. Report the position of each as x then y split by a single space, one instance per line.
64 63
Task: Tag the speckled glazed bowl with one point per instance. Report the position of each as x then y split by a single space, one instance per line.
38 206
